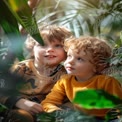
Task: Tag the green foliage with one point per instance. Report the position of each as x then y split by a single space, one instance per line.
115 61
67 115
23 14
89 99
99 99
116 112
84 17
10 27
118 43
3 108
12 13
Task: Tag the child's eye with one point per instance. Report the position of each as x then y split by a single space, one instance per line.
59 45
80 59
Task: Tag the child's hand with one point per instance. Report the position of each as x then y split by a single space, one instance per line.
31 107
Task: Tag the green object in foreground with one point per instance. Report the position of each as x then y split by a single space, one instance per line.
2 108
23 14
64 115
96 99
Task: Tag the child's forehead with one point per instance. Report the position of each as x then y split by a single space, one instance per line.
76 51
81 53
52 42
49 37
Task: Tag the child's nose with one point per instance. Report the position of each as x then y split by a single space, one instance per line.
71 61
50 49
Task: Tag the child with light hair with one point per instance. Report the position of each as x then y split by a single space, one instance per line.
86 59
49 33
40 71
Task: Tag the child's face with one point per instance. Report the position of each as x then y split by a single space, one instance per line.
78 64
51 54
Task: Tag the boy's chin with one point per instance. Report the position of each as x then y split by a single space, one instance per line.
70 73
51 64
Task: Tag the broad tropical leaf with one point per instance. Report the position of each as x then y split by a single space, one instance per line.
98 99
23 14
10 27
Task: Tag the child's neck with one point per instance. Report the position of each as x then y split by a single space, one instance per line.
84 79
45 70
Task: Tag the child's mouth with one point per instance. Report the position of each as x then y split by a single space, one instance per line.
50 56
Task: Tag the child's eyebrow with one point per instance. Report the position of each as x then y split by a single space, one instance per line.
86 57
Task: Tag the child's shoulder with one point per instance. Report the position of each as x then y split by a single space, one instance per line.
106 77
21 65
64 79
66 76
24 61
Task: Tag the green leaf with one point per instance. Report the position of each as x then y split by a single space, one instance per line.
10 27
114 113
64 115
8 21
121 38
96 99
2 108
23 13
46 117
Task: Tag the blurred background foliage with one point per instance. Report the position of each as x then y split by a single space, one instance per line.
100 18
84 17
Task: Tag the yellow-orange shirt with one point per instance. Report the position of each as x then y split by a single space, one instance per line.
68 86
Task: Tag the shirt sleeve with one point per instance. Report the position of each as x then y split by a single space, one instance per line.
55 97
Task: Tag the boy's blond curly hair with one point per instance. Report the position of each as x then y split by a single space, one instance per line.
49 33
99 50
